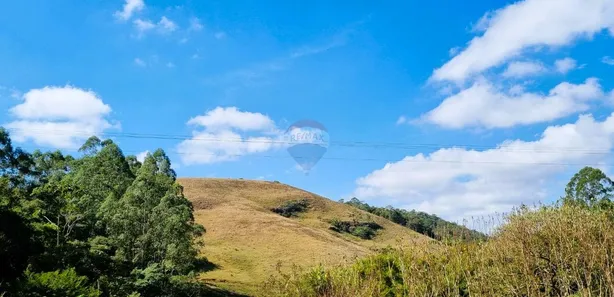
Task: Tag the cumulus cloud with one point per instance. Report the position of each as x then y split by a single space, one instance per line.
523 69
485 105
510 31
460 182
222 118
565 65
130 7
226 134
61 117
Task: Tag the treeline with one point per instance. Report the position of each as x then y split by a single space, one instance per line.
101 224
564 249
421 222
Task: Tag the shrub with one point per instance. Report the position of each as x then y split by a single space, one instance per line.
292 208
65 283
364 230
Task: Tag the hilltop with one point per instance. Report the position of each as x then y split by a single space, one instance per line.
246 241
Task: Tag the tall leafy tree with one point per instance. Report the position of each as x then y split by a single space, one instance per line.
153 222
589 187
102 224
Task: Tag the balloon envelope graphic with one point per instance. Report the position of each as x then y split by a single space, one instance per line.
307 143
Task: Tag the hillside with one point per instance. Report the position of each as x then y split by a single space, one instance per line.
246 240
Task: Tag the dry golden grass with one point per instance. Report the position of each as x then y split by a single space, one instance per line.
548 252
248 241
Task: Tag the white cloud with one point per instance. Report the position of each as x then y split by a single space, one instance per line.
509 31
165 25
195 24
460 182
141 156
130 7
565 65
608 60
143 26
523 69
139 62
170 65
224 118
62 117
227 134
485 105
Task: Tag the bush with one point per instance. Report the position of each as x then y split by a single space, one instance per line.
364 230
65 283
292 208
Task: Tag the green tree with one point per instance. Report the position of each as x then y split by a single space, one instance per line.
102 224
153 222
589 187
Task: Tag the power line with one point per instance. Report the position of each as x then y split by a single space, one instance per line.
359 159
359 144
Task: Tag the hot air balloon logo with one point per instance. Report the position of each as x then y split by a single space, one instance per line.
307 142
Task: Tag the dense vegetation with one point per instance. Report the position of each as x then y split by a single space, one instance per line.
364 230
565 249
421 222
291 208
102 224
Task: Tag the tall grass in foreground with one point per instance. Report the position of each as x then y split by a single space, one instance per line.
551 251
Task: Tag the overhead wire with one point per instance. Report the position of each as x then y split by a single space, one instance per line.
361 144
368 144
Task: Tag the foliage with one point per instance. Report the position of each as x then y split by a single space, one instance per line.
102 224
429 225
65 283
551 251
291 208
566 249
364 230
590 187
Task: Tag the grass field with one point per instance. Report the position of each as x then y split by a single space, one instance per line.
247 242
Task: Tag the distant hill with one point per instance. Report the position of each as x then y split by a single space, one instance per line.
421 222
246 240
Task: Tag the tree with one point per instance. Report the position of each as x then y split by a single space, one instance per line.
153 222
590 187
102 224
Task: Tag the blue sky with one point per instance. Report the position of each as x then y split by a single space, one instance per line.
461 109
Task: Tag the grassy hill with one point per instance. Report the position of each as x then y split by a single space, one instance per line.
247 241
